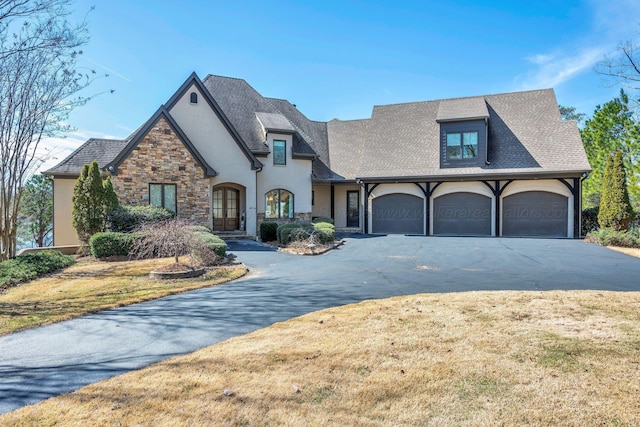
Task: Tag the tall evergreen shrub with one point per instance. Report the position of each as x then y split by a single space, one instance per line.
615 208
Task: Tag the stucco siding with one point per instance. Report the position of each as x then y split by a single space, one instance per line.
294 177
341 204
63 232
322 200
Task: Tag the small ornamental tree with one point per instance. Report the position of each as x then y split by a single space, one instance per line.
173 238
92 199
615 207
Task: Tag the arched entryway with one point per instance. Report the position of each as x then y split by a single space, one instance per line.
225 208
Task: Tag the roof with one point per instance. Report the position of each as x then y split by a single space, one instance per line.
462 109
526 135
103 151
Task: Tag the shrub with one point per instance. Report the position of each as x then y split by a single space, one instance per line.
200 229
268 231
28 267
610 237
127 219
286 233
590 220
326 231
111 243
322 219
615 207
213 242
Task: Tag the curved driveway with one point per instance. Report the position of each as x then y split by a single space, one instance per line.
47 361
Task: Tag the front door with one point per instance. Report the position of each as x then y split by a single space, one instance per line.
353 209
225 209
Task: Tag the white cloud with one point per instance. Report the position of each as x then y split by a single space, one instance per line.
554 69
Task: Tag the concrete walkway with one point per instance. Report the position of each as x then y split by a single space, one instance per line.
47 361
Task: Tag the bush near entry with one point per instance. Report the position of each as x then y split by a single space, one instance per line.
610 237
268 231
28 267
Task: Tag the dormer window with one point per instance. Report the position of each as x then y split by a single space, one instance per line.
462 145
193 98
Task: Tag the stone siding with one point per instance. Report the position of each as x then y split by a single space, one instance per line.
161 158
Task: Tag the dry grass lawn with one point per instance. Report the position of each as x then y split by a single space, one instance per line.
476 358
629 251
90 286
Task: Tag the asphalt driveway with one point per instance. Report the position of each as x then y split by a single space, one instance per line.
47 361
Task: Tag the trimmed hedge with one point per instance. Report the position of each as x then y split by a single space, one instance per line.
215 243
610 237
28 267
110 243
268 231
327 232
324 219
127 219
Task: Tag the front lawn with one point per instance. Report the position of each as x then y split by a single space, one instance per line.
463 359
91 286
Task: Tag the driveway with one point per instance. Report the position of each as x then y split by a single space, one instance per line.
47 361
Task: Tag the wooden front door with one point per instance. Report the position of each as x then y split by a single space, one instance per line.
226 209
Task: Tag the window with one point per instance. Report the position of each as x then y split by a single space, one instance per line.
193 98
279 204
279 152
163 195
462 145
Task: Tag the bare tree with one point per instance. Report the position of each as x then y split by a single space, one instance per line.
173 238
624 67
39 85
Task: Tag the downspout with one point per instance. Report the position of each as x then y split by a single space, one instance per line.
486 142
256 204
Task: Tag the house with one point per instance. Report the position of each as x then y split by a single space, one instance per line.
223 155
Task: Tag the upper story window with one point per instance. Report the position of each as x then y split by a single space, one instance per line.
279 204
462 145
279 152
193 98
164 196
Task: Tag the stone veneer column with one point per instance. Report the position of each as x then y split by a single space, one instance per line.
161 158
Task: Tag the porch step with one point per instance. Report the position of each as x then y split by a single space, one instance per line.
234 235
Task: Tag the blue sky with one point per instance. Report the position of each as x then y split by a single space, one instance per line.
337 59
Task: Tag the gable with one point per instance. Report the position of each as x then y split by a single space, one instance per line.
171 130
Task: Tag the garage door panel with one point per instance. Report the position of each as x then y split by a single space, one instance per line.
535 214
462 214
398 214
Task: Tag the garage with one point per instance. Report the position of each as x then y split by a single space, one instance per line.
397 214
462 214
535 214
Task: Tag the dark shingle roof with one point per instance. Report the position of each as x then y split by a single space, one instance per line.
462 109
526 135
101 150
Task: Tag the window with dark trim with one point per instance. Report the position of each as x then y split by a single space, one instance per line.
462 145
164 196
279 152
193 98
278 204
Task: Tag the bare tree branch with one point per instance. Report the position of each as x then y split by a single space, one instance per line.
624 68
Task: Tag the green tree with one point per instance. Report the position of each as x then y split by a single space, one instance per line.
36 212
612 128
615 208
92 199
569 113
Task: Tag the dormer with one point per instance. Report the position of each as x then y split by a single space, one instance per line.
463 132
282 138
